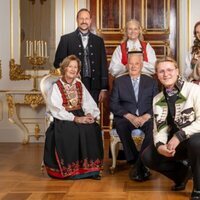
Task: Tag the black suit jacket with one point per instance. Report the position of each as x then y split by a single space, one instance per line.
71 44
123 100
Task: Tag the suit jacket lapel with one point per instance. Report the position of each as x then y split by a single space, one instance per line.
130 88
141 87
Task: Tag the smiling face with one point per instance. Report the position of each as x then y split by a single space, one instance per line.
133 30
167 73
135 63
71 71
84 21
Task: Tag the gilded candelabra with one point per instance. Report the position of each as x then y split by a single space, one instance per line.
36 52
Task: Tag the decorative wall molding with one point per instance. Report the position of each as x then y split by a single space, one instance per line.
17 73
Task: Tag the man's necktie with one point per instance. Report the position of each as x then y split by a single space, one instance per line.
136 88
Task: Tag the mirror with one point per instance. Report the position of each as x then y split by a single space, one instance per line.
37 24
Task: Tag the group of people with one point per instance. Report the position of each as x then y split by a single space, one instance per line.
170 119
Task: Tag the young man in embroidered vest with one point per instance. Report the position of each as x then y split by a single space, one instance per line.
177 129
73 145
90 49
131 103
133 41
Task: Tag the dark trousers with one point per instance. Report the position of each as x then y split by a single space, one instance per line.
173 167
94 92
124 129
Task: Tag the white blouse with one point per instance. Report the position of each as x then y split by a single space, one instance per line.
188 69
116 67
55 101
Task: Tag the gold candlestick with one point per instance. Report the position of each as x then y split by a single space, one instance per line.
36 53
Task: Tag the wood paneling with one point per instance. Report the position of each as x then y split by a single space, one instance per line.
158 19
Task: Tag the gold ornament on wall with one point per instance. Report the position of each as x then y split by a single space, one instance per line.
11 106
17 73
33 100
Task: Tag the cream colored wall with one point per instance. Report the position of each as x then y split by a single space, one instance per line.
65 22
10 48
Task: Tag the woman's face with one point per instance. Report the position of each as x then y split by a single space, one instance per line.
167 74
133 31
71 70
198 32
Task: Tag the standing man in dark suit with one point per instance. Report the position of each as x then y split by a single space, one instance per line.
90 49
131 103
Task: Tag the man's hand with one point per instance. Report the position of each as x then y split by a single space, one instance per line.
102 95
163 150
133 119
144 118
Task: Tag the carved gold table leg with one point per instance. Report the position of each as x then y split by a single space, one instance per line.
13 118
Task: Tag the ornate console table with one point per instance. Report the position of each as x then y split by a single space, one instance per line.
21 99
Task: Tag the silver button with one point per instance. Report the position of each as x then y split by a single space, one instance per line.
79 53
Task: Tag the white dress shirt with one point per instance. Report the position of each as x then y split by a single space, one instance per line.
116 67
54 103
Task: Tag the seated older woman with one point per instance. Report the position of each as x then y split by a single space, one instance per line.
73 146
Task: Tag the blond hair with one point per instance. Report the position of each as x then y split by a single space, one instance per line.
135 22
67 60
165 59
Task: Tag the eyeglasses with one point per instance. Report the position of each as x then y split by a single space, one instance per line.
168 70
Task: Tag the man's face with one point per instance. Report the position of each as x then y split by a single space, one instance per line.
84 21
167 73
135 64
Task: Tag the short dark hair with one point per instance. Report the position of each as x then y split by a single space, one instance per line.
81 10
67 60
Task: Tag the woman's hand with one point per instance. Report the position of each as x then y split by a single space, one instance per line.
163 150
84 120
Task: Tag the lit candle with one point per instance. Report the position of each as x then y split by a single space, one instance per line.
35 47
42 48
45 49
31 48
29 45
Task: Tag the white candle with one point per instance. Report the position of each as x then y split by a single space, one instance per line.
31 48
45 49
35 47
42 48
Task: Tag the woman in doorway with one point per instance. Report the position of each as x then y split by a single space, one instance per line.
194 55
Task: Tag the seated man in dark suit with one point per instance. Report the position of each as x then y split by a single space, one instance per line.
131 103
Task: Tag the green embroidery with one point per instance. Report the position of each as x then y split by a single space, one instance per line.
181 98
162 102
